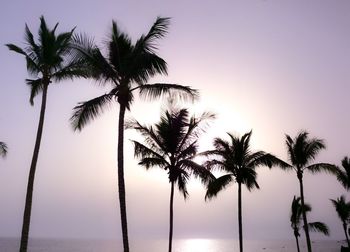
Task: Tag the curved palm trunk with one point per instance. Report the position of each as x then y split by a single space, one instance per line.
30 185
346 234
171 219
240 217
306 225
121 183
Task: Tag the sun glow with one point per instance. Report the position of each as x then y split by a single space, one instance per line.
198 245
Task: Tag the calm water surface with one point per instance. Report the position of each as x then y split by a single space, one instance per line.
180 245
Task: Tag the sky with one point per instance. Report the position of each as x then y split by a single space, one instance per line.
276 67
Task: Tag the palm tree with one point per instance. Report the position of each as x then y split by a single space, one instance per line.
301 151
47 61
3 149
296 218
127 68
344 176
172 145
238 161
343 210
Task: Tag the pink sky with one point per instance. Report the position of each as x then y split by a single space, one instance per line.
272 66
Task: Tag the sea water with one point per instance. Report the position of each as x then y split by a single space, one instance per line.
179 245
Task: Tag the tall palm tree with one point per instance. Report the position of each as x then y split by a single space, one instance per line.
296 218
126 68
172 145
301 151
48 60
3 149
344 176
236 158
343 210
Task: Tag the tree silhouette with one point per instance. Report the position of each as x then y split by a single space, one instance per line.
172 145
344 176
301 151
49 59
343 210
296 218
127 68
3 149
238 161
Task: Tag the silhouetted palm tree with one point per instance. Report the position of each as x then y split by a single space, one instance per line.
236 159
172 145
296 218
3 149
343 210
127 68
344 176
301 151
47 60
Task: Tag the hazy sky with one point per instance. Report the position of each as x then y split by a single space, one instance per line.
272 66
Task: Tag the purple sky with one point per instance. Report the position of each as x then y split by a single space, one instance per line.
272 66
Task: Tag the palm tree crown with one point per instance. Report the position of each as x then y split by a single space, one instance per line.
237 159
172 145
127 67
48 59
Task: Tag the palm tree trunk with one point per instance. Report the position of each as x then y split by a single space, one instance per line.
297 240
306 225
240 217
346 234
121 183
171 217
30 185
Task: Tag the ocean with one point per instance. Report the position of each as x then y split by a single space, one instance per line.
179 245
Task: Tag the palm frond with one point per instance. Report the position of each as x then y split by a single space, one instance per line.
157 90
86 51
218 185
266 159
158 30
150 137
144 66
295 214
319 227
89 110
215 164
149 162
74 69
195 127
16 49
3 149
119 49
247 176
322 167
343 176
36 86
149 157
182 180
32 65
189 151
197 171
342 208
313 147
